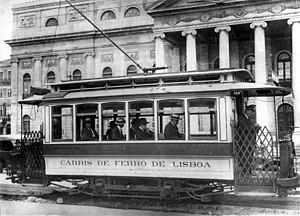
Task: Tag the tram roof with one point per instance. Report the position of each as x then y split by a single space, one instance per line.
158 84
149 78
248 89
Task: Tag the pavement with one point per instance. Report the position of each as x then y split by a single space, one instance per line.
26 208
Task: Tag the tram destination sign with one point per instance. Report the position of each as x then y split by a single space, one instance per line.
193 167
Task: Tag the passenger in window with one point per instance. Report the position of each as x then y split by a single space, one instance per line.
143 132
88 133
171 129
108 134
117 133
134 127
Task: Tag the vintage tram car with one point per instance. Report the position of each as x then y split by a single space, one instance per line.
203 159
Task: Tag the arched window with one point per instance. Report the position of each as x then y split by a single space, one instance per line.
26 85
107 72
285 114
131 70
76 74
51 77
51 22
250 64
132 12
108 15
284 69
216 63
26 123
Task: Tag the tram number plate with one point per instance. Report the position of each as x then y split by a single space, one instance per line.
194 167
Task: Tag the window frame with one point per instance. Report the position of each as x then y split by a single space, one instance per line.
131 72
154 119
215 120
52 126
26 85
51 78
86 115
132 8
185 116
77 75
286 82
51 22
26 123
106 12
105 73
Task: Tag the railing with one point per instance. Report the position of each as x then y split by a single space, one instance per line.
256 163
27 161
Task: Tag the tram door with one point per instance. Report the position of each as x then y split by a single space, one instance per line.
255 157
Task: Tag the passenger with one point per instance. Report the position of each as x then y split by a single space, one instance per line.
116 133
171 129
88 133
143 132
247 139
134 127
108 134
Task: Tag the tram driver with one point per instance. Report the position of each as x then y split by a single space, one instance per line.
88 133
171 130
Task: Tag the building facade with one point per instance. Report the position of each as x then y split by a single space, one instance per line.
258 35
52 42
5 96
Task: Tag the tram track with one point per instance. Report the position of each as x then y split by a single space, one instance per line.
221 204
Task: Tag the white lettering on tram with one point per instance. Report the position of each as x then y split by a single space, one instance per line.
191 164
76 163
131 163
136 163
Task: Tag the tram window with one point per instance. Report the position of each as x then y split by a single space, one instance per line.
62 123
171 113
113 121
141 120
202 119
87 122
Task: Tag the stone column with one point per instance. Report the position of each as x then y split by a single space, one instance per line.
191 51
63 66
89 65
160 52
295 22
224 53
260 51
265 115
14 95
37 82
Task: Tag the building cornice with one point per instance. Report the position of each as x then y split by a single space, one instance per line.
42 4
232 13
79 35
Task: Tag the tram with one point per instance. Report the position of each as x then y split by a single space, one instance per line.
202 159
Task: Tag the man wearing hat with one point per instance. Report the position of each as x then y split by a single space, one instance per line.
88 133
247 140
143 132
117 133
171 129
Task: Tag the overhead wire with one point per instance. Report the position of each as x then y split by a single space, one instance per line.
105 35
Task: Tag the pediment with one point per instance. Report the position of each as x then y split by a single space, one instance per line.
175 4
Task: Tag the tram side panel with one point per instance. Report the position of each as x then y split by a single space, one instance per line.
205 160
